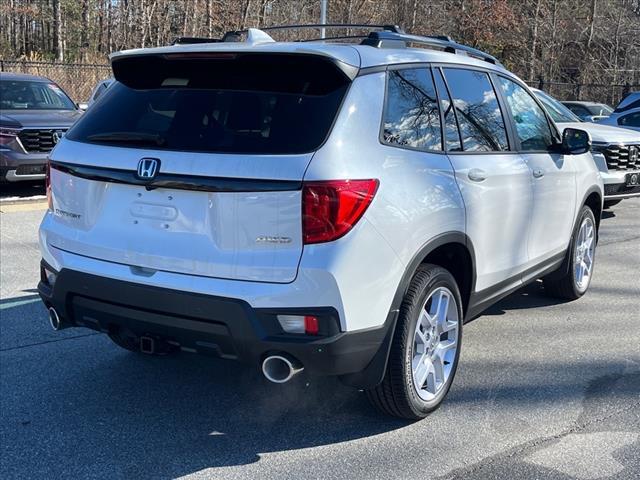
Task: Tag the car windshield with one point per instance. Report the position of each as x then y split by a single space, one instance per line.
558 112
33 95
603 110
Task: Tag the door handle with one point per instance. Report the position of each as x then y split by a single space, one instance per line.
538 173
477 175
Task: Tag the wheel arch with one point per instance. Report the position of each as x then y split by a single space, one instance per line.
594 200
452 251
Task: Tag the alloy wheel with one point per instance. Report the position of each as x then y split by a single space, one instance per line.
435 342
584 252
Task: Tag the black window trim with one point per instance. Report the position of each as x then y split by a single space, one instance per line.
200 183
406 66
455 114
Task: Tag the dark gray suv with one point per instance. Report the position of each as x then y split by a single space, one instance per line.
34 114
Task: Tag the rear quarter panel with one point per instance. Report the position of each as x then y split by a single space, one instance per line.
418 197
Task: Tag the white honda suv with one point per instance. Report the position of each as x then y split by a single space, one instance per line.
341 209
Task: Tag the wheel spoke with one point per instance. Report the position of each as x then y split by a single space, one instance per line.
421 337
438 369
423 367
441 312
579 273
586 270
426 320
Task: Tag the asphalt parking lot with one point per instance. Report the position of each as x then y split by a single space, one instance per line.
544 390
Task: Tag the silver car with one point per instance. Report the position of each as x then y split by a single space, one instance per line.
616 150
314 208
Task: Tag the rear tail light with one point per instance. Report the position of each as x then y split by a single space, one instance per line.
47 183
331 208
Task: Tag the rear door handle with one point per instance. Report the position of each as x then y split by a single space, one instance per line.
538 173
477 175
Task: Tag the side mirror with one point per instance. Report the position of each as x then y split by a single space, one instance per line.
83 106
575 142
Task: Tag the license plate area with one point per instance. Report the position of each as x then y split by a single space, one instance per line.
632 179
31 170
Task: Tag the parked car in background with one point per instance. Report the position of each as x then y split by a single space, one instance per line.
98 90
341 208
627 113
615 150
34 115
589 111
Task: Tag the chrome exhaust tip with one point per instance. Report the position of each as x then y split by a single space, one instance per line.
280 368
54 319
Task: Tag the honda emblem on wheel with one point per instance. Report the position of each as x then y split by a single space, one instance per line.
148 168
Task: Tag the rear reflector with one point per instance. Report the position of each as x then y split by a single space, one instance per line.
331 208
299 324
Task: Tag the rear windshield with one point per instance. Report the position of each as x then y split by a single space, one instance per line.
275 104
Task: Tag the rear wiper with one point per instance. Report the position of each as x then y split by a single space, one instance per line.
128 137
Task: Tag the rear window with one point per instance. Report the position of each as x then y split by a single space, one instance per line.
226 103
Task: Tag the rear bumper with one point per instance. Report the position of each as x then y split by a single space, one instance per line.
224 327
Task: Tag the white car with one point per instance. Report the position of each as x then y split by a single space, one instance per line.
336 208
626 114
616 150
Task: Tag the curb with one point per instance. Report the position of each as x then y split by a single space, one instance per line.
23 201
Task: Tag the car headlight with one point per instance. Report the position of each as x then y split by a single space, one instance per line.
8 136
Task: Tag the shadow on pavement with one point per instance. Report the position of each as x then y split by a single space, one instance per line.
69 405
530 296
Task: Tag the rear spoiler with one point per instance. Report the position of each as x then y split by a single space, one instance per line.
149 70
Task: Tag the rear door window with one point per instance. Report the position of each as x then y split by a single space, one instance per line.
479 117
412 118
255 104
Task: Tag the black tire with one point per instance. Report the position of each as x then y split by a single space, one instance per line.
610 203
563 285
396 395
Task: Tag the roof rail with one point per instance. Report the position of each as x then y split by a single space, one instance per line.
388 28
387 39
236 35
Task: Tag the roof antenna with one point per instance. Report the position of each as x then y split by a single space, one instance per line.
255 36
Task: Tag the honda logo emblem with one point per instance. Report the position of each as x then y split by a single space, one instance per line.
57 135
633 154
148 168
